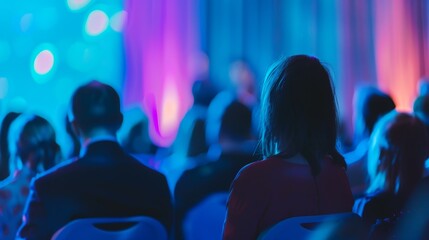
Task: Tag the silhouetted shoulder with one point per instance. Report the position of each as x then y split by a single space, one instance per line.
255 171
55 171
138 166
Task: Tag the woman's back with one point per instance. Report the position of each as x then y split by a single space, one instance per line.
269 191
13 196
33 146
299 121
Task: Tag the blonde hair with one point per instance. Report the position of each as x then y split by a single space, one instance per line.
399 145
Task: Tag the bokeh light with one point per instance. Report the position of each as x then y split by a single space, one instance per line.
118 21
4 87
43 63
76 5
96 23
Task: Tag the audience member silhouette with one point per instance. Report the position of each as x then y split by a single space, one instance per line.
137 139
103 182
245 90
244 82
399 146
302 173
75 150
415 223
190 146
421 109
370 105
216 176
4 145
191 137
203 92
34 146
423 86
134 138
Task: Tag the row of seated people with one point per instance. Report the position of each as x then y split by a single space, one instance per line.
103 181
32 132
302 172
388 178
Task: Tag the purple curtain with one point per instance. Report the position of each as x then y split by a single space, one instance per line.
383 43
161 42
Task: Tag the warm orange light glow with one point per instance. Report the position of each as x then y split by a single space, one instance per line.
397 52
170 110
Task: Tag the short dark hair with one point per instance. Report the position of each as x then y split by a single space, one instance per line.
299 111
236 121
376 105
94 105
421 108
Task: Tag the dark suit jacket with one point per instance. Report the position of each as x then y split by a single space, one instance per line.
105 182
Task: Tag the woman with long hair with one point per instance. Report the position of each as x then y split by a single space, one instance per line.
34 149
302 172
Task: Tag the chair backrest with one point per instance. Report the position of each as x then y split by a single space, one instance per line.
205 221
304 227
130 228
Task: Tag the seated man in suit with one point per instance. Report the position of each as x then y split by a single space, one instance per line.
103 182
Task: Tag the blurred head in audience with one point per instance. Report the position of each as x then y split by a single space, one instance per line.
423 86
73 137
229 125
299 111
96 110
399 145
35 143
203 92
421 108
244 82
4 143
138 140
235 126
370 105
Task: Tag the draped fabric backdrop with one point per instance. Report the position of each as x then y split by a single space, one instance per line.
161 42
362 42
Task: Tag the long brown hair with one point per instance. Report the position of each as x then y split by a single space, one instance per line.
37 143
299 111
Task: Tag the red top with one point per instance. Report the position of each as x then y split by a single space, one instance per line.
268 191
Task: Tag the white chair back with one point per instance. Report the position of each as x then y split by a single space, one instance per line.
130 228
303 227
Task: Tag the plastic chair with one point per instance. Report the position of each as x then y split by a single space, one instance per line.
131 228
304 227
205 221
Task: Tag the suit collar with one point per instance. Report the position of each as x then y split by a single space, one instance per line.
94 140
106 148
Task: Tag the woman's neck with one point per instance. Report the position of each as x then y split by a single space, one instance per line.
293 158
